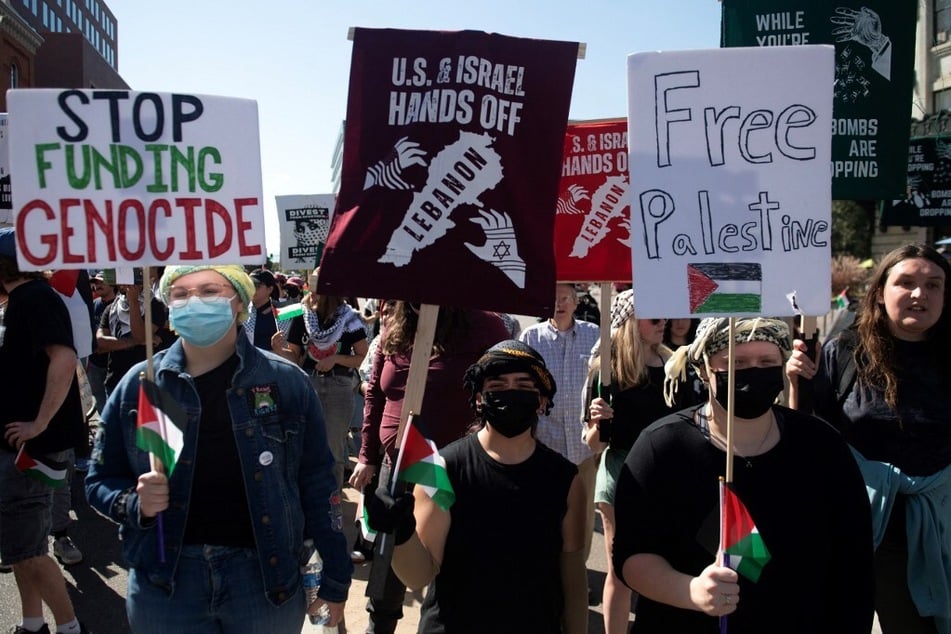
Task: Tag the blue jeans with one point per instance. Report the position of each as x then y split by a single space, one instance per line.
218 590
335 392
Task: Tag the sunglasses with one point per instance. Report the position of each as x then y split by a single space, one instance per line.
654 322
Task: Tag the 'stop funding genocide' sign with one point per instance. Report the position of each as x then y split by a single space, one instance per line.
111 177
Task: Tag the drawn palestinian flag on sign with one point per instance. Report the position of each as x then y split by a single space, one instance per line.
49 472
743 547
161 425
725 288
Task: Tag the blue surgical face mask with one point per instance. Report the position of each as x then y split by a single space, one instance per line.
202 322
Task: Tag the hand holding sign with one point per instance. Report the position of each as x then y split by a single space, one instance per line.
500 247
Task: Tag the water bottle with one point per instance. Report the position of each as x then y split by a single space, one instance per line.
311 573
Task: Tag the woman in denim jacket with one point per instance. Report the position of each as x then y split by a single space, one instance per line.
217 544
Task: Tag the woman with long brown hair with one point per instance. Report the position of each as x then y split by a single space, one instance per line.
884 385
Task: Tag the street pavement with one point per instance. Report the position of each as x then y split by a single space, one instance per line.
97 586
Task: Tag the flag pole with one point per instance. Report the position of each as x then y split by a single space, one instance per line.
412 406
730 409
730 400
154 462
604 351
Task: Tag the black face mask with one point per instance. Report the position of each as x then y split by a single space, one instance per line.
292 292
756 390
510 412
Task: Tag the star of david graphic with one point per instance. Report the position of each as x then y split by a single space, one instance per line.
501 250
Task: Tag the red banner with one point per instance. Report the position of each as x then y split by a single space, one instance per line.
593 219
451 161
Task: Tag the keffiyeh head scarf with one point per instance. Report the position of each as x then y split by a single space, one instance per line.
713 335
509 356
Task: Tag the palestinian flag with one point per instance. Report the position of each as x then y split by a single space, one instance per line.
841 300
743 547
725 288
290 311
366 531
419 462
161 425
49 472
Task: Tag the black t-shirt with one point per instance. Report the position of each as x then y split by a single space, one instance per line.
917 437
297 334
35 318
121 360
500 571
99 307
265 325
807 499
637 407
218 510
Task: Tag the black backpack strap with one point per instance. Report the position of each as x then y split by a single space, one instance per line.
845 347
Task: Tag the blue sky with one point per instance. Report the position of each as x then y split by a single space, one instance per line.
293 57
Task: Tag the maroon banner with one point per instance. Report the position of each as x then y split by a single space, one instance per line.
451 160
593 219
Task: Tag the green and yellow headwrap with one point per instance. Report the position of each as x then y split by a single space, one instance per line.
234 273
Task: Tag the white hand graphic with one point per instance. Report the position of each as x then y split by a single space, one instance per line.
500 248
388 172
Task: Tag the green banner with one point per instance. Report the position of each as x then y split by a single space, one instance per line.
928 199
874 77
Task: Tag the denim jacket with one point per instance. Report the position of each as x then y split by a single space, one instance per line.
274 412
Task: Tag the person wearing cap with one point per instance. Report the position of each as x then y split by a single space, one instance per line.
615 418
516 500
252 482
262 327
794 474
42 421
294 289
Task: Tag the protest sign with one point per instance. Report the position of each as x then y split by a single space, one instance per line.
593 217
6 198
874 78
113 177
451 160
927 202
304 222
730 206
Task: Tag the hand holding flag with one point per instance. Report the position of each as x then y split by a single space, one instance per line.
419 463
160 430
743 547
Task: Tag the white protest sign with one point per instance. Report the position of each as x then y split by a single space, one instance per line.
304 222
730 182
121 178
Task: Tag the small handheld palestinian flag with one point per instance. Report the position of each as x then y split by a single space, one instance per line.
49 472
419 462
841 300
743 547
290 311
161 425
